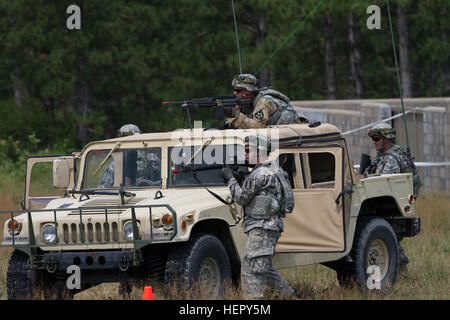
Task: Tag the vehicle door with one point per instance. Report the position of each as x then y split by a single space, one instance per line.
48 178
317 223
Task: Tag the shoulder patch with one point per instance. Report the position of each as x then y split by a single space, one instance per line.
259 115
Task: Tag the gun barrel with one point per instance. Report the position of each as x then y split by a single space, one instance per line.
202 167
225 101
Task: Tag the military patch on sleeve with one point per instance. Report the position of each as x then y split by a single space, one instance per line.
259 115
248 185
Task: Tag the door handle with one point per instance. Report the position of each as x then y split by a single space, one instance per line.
341 194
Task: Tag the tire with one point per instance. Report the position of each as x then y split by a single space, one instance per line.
375 255
24 283
21 280
202 259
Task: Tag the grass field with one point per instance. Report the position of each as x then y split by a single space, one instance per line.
427 276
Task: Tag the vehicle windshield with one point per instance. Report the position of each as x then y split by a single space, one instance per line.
214 155
137 168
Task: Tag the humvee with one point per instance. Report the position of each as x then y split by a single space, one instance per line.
132 211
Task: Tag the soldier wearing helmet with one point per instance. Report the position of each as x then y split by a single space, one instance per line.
128 130
107 179
270 107
266 197
390 159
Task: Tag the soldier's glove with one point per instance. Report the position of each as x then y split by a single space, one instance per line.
227 173
235 112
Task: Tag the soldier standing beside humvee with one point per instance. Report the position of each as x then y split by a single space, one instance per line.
391 159
266 196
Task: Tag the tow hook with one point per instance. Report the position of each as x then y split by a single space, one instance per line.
51 265
124 263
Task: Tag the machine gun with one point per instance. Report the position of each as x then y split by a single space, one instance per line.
220 103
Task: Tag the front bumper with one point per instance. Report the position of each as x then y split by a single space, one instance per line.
122 260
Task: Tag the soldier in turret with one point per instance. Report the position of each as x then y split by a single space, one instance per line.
270 107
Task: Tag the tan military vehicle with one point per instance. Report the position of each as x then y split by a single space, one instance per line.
156 205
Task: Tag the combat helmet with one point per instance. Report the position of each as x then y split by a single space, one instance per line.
382 130
128 130
247 81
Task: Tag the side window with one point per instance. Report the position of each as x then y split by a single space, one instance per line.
211 155
287 162
41 182
317 170
322 167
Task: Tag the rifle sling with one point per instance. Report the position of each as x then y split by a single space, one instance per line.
211 192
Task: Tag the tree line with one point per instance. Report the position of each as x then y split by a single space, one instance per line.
70 87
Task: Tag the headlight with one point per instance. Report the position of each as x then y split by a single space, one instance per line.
49 233
128 230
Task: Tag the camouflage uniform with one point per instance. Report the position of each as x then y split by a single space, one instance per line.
270 107
393 160
261 196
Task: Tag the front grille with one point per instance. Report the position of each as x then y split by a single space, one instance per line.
85 233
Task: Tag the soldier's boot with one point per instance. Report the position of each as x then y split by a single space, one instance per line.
403 259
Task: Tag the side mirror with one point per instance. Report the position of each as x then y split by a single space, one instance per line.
61 176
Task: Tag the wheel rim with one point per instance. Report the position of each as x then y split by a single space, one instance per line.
378 255
209 277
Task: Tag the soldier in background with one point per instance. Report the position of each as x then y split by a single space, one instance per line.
390 159
266 196
107 179
270 107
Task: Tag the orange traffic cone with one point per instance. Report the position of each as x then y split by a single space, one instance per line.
148 293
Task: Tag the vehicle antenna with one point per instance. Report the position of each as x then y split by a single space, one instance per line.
237 37
408 150
289 37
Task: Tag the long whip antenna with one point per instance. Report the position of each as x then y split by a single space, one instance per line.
289 37
237 37
408 150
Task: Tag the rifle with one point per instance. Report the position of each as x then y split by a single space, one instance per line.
239 170
219 102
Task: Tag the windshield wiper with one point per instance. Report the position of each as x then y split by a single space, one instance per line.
116 146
